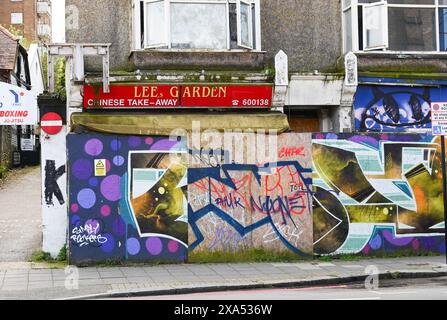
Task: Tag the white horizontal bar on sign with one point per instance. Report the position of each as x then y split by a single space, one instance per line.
55 123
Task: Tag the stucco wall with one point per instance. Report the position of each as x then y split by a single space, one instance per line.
309 31
101 21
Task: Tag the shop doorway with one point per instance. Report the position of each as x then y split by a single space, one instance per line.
303 120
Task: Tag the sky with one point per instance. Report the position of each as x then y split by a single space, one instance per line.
58 16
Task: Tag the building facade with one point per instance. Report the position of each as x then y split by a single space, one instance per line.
348 86
14 69
30 18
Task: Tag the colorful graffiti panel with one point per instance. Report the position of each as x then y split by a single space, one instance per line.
377 193
394 108
238 206
127 199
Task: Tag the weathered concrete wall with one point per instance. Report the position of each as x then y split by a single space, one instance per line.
150 60
309 31
395 63
101 21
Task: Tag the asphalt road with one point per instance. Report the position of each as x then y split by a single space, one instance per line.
406 289
20 217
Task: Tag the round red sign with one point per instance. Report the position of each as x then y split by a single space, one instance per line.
51 123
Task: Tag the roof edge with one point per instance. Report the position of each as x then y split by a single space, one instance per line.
8 33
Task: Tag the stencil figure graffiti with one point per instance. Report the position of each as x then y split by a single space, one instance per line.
51 186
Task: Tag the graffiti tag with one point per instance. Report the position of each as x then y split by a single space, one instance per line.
87 235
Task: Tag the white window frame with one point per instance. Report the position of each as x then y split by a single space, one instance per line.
384 7
239 4
166 37
139 43
355 39
353 6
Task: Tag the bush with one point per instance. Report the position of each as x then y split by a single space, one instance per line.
3 172
41 256
62 256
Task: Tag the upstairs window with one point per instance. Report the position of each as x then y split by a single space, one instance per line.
196 25
395 25
17 18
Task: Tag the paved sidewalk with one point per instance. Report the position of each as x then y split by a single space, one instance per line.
20 215
27 281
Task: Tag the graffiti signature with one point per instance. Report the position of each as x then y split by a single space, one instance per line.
87 235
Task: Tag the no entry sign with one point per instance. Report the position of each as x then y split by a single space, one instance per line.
51 123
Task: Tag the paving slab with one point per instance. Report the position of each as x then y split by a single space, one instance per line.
22 236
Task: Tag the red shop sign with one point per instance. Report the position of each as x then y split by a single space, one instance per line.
178 96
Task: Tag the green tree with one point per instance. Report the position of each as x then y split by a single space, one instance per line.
24 42
59 78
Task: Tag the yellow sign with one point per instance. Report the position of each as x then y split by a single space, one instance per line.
100 168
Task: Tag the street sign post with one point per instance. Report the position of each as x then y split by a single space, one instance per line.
439 128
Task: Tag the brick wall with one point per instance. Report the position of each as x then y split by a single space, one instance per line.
28 8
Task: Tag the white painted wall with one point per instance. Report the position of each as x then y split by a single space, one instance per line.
309 90
54 217
35 69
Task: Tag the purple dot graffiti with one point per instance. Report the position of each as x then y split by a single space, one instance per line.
105 210
110 188
133 246
93 182
115 145
173 246
86 198
109 243
118 161
149 141
119 227
154 246
82 169
94 147
75 220
74 207
134 142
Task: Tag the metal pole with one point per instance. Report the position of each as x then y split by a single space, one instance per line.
444 185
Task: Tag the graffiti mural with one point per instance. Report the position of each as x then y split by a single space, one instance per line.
324 194
138 211
157 194
377 192
393 108
238 206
